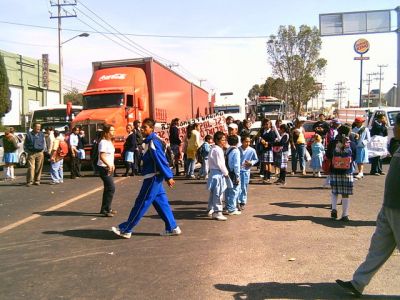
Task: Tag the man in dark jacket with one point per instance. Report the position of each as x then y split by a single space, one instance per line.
35 146
321 127
387 233
175 143
378 128
139 141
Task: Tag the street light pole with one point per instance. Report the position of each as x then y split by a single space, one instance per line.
59 56
60 60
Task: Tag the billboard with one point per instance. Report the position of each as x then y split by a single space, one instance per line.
361 22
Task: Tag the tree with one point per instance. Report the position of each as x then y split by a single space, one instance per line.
5 102
254 92
73 96
274 87
294 57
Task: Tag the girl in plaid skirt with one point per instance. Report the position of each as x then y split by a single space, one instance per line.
267 139
281 153
340 153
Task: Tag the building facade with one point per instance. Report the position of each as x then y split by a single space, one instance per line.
33 83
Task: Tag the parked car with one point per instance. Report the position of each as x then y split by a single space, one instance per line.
22 155
309 133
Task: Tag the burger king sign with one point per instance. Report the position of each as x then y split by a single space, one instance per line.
361 46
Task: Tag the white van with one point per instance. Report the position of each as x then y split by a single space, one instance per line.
390 113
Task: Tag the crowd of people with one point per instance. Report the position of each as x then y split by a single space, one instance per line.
338 150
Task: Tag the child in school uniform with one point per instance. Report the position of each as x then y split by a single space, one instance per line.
267 139
233 166
281 152
318 152
341 153
204 151
248 159
217 177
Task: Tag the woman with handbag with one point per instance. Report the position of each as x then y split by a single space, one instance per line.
10 157
341 152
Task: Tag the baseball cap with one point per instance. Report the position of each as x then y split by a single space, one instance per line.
359 120
233 126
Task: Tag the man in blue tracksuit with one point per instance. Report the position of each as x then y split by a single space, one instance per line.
155 170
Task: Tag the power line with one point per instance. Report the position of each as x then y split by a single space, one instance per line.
135 45
171 36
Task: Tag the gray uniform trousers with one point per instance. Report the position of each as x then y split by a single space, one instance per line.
383 243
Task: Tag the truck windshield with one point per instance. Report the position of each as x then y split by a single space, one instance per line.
103 101
227 109
270 108
392 117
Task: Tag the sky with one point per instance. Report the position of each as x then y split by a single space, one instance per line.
219 62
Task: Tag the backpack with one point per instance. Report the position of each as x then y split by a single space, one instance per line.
169 155
200 155
62 149
231 173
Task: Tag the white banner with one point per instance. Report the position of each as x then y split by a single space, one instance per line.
378 146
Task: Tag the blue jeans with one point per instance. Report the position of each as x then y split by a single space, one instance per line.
298 154
152 192
109 189
244 183
204 168
56 171
190 167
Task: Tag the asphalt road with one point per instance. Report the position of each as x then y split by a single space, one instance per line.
54 245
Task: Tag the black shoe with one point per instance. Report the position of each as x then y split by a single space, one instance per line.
348 286
334 214
242 206
125 175
345 219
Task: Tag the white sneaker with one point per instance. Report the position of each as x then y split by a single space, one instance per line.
360 175
319 174
235 213
210 212
126 235
176 231
219 216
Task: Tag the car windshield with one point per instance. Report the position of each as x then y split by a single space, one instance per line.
103 101
269 108
392 117
308 127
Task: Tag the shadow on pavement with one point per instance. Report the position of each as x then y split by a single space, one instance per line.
60 213
185 202
318 220
276 290
303 188
186 214
299 204
97 234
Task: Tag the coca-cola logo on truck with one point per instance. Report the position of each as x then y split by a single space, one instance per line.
113 76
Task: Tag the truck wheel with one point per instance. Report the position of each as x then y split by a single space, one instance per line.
22 160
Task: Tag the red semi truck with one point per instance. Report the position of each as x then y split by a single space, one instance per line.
121 91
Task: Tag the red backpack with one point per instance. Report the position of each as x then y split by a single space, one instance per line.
62 150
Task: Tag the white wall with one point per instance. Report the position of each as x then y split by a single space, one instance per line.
13 117
53 98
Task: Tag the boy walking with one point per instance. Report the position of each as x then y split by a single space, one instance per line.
233 166
248 159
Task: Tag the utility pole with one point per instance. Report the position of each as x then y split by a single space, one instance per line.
60 15
339 88
368 81
380 82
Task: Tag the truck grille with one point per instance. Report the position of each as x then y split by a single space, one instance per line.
90 131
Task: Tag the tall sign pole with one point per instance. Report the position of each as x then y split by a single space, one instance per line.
398 57
361 46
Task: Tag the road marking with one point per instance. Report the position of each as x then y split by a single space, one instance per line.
55 207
